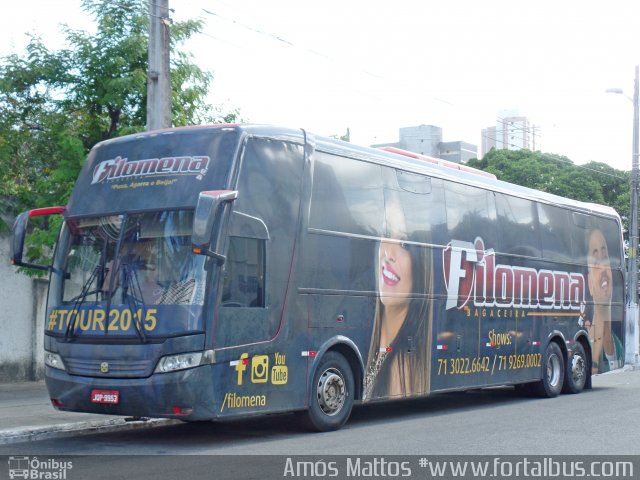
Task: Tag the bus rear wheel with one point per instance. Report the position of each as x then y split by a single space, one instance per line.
552 372
331 393
576 371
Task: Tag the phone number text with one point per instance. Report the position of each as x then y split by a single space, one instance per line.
488 364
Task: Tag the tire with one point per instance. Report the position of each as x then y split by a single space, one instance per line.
576 371
330 394
552 372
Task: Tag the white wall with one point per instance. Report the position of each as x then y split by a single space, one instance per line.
22 305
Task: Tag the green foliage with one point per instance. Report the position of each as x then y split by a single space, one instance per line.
594 182
56 105
345 138
40 244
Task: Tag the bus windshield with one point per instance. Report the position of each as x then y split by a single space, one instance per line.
127 263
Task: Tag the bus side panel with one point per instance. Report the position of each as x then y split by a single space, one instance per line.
546 274
257 337
338 292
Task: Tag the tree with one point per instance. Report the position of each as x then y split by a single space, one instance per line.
593 182
57 104
345 138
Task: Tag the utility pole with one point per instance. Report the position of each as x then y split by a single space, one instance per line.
158 80
631 347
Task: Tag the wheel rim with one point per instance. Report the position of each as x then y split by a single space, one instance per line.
331 391
578 369
553 370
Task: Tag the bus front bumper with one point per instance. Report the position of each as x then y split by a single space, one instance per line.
186 394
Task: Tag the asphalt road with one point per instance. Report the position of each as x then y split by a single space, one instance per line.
494 422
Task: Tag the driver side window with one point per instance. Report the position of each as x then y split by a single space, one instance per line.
243 280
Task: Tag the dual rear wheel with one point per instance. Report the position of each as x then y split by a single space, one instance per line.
332 390
578 371
558 375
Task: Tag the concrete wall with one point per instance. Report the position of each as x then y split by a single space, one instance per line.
22 306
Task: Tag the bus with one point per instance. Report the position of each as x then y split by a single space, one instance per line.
224 271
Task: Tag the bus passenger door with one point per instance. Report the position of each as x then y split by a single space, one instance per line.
251 332
260 243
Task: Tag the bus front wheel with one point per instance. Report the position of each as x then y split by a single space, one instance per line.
331 393
552 372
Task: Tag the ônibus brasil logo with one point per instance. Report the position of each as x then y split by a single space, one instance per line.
471 275
121 168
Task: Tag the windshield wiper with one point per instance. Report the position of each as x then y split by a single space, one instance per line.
132 283
79 301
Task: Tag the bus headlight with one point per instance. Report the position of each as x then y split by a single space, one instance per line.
53 360
182 361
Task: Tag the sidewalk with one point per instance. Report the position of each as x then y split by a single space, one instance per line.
26 414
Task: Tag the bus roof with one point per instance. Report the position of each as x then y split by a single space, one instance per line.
438 161
391 156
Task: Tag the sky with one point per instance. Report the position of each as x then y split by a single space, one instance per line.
374 67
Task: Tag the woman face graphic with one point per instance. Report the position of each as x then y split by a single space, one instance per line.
395 276
600 278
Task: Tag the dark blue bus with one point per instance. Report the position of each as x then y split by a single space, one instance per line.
233 270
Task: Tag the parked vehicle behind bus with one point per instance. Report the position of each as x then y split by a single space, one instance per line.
223 271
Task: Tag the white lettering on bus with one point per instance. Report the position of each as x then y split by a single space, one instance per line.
121 168
471 274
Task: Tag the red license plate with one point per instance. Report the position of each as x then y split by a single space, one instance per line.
105 396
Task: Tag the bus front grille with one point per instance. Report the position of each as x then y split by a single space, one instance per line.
109 368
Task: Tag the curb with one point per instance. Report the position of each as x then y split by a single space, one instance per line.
30 434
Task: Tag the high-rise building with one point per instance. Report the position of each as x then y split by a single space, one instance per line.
512 132
427 140
488 140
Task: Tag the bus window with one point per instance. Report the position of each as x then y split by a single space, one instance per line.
603 315
422 199
458 211
154 265
580 237
483 219
555 237
517 222
347 196
243 280
412 182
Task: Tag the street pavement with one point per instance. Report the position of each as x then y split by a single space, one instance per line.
26 414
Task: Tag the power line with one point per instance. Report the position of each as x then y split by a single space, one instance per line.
220 39
526 139
171 10
285 41
514 138
517 125
282 40
145 6
251 29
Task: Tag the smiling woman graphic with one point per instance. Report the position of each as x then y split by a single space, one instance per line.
398 363
606 348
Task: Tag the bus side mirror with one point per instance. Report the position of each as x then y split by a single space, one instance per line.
19 233
205 238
